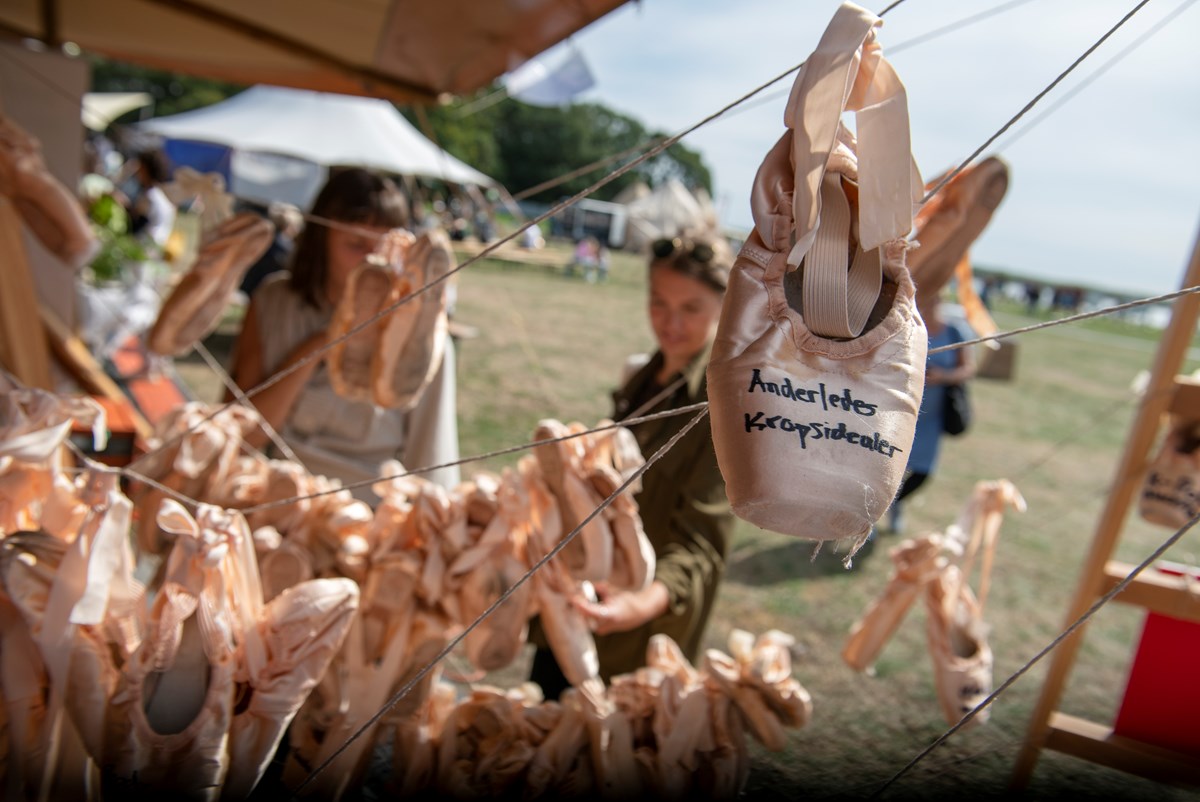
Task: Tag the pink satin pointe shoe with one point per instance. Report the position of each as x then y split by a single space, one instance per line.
962 659
947 225
413 338
373 286
817 370
48 208
915 563
193 309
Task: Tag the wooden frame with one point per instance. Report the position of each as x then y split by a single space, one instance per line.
1050 728
23 348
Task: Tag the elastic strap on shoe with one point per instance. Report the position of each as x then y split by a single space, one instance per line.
837 300
847 72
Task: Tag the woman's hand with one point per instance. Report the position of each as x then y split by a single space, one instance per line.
308 347
623 610
276 401
935 376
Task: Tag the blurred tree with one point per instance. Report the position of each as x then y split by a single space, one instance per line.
679 162
469 138
518 144
523 146
171 91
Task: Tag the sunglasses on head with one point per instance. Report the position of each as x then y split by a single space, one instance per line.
700 251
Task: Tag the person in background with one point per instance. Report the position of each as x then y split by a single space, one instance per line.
152 213
941 369
532 238
602 263
587 251
287 321
682 502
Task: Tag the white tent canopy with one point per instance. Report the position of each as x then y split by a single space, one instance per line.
101 108
666 212
317 127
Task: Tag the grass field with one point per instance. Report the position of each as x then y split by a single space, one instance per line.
551 346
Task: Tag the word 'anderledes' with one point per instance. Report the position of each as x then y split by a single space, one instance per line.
813 431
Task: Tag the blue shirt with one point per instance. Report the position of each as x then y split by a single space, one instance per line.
923 456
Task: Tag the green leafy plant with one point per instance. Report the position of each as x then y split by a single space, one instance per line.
118 247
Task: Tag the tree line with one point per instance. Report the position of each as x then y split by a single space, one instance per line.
519 145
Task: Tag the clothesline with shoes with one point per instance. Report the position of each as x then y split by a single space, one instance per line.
955 172
1099 604
489 249
634 420
131 473
702 412
662 145
390 308
395 698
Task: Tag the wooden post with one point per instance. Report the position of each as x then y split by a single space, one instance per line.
23 348
74 355
1171 351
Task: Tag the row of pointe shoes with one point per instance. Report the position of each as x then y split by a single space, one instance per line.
106 684
429 561
939 566
423 565
388 362
668 731
230 244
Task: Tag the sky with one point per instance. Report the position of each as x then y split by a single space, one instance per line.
1104 191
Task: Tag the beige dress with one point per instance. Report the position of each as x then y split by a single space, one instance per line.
348 440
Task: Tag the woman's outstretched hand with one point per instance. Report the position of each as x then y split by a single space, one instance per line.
622 610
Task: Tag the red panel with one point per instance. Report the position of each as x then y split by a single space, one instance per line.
154 396
1162 698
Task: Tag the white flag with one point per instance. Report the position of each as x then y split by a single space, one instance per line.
535 83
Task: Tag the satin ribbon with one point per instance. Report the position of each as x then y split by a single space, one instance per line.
847 72
213 562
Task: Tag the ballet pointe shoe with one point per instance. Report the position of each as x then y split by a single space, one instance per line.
193 309
817 369
48 208
412 340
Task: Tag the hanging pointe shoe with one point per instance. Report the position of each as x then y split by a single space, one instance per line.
372 287
962 659
817 370
413 338
915 563
193 309
947 225
48 208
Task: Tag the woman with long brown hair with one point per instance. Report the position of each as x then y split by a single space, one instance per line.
288 321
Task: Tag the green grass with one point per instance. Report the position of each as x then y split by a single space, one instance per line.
550 346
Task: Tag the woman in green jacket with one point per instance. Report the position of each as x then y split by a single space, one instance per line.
682 502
